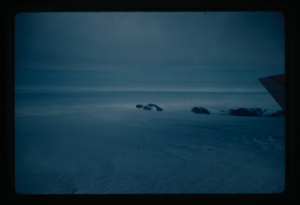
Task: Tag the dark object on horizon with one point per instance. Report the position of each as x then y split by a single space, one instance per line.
151 106
246 112
139 106
200 110
278 113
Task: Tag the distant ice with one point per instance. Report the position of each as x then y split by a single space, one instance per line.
99 143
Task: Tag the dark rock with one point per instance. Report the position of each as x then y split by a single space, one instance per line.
151 106
200 110
147 107
158 109
246 112
139 106
278 113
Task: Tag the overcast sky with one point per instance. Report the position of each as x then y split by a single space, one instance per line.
148 51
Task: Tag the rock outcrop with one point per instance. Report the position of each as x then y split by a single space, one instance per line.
278 113
246 112
150 106
198 110
139 106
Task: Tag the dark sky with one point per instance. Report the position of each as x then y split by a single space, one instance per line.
148 51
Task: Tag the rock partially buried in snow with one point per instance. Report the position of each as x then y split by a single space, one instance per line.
150 106
139 106
278 113
246 112
200 110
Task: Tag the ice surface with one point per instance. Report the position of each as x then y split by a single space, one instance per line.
99 143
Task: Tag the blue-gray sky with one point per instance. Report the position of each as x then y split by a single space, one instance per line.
148 51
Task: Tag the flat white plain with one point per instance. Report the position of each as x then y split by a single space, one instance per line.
100 143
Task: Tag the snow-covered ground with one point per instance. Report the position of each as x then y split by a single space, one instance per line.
100 143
